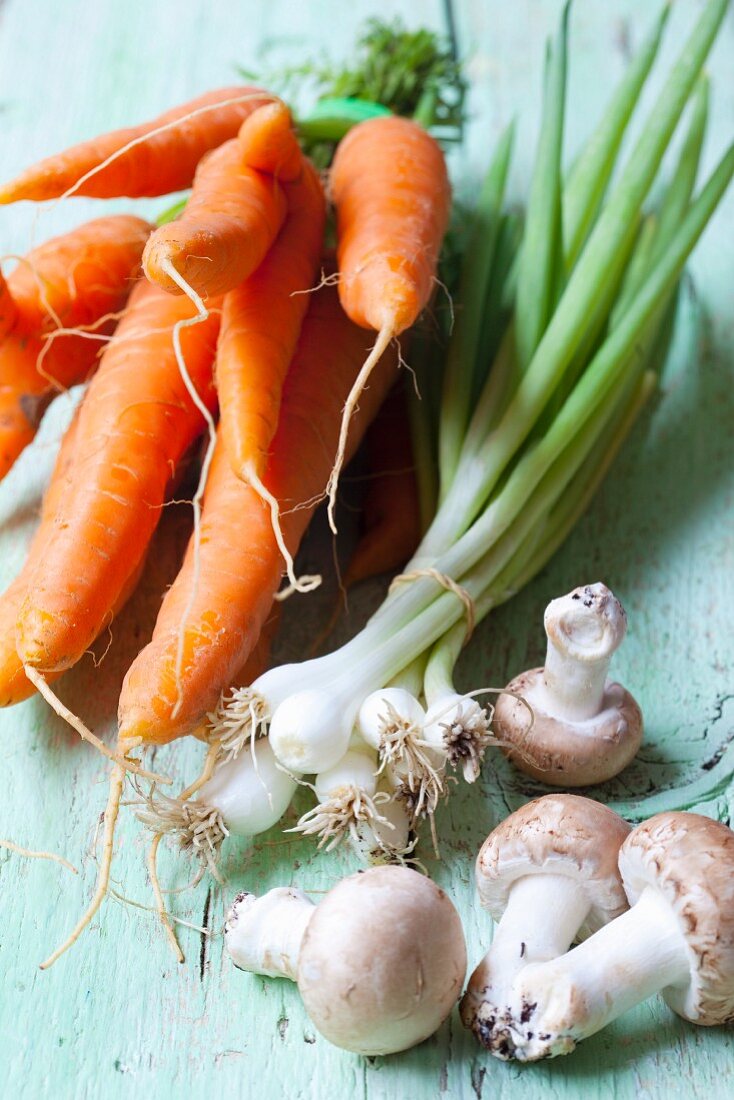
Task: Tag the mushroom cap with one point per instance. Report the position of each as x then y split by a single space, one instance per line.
689 860
567 754
382 962
558 834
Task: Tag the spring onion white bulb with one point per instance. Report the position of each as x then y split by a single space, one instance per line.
310 730
347 798
384 839
457 728
387 710
250 794
355 769
392 720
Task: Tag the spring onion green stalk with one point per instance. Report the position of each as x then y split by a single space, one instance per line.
589 177
473 292
456 725
538 273
523 446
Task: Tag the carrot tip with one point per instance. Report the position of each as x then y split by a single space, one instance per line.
160 903
295 584
12 847
38 681
117 782
384 336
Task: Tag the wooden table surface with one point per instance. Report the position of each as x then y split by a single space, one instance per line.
117 1016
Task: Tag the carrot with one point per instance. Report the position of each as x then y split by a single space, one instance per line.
229 223
261 320
269 144
73 282
240 564
390 512
8 309
262 317
153 158
14 685
392 196
136 422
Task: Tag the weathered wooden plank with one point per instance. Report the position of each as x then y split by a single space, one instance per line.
119 1015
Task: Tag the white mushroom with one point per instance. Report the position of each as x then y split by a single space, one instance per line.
548 875
586 728
677 939
379 962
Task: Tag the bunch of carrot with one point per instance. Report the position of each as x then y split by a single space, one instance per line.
230 335
225 333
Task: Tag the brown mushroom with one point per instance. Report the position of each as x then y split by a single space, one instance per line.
677 939
548 874
380 962
586 728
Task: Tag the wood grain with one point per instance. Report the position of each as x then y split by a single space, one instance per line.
117 1016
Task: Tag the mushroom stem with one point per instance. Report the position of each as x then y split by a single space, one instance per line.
543 915
555 1004
584 629
574 691
264 935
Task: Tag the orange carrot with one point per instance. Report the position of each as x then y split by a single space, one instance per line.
136 422
75 281
392 195
14 686
269 143
390 513
229 223
261 320
240 565
262 317
153 158
8 309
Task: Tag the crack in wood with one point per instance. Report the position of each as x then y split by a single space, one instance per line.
203 935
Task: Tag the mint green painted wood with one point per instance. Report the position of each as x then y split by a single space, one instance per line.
118 1016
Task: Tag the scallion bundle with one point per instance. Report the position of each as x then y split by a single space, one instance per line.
557 346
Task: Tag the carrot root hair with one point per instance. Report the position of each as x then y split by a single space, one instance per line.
201 828
40 284
117 782
84 332
29 854
202 314
124 900
160 905
306 583
210 763
142 138
121 761
384 337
